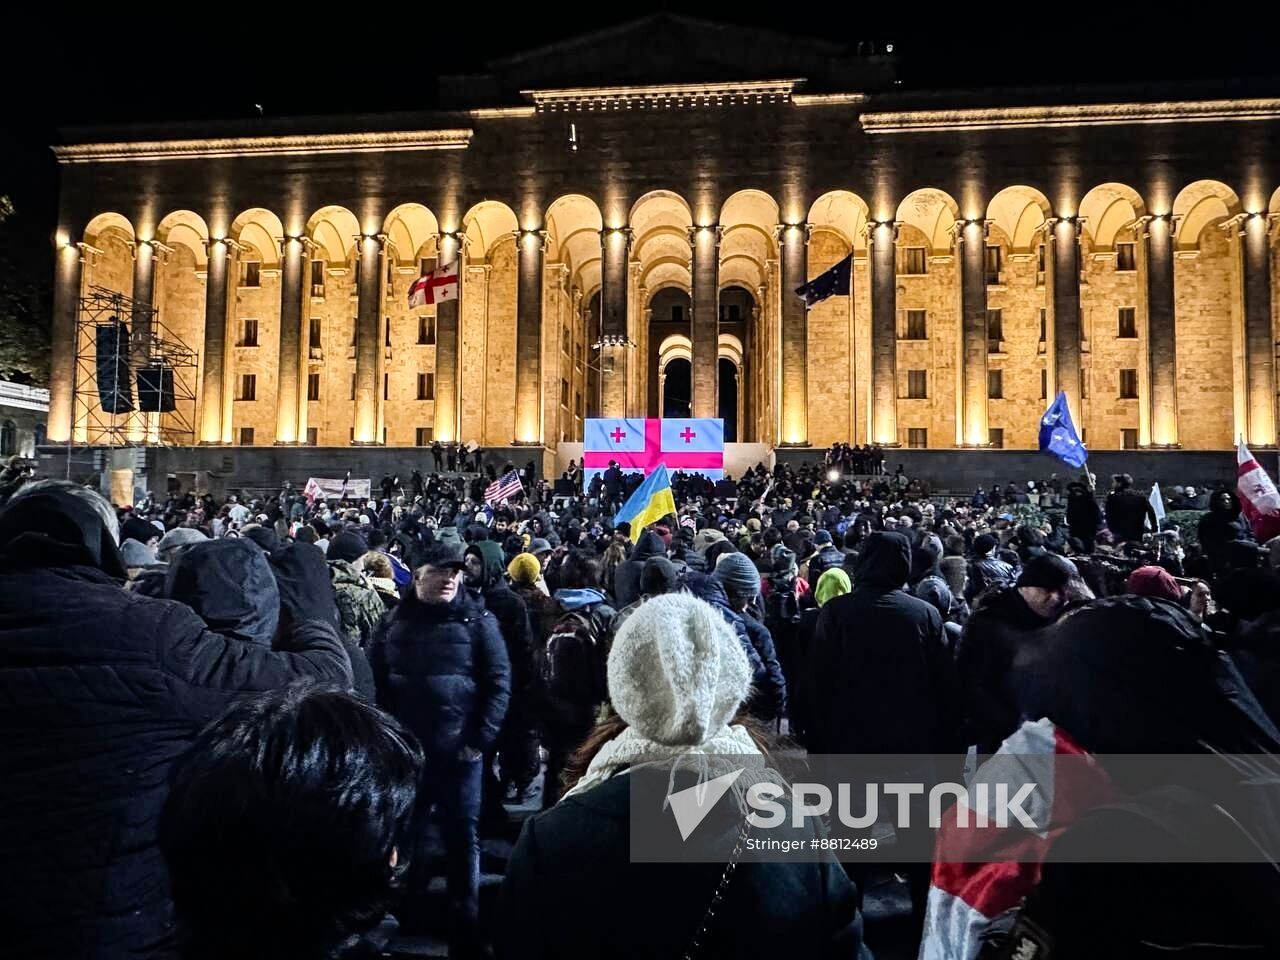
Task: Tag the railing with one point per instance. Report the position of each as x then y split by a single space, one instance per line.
21 392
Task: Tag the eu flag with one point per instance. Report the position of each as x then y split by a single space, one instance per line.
835 282
1058 434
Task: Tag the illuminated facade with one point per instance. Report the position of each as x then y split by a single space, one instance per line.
630 246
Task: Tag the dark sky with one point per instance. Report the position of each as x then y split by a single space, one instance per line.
333 58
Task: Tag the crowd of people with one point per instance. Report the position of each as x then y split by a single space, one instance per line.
229 722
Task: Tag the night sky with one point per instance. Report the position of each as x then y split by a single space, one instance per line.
338 58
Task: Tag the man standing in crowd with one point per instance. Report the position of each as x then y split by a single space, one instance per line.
441 668
1127 510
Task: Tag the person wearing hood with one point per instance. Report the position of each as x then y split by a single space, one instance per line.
768 700
1084 516
441 668
677 675
1221 526
381 576
102 689
359 608
517 741
574 646
626 579
1006 619
1167 862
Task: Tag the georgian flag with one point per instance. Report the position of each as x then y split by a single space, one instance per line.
438 285
1259 501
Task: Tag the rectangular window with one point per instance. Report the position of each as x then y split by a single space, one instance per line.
426 265
1040 258
995 328
564 393
386 324
1084 385
1128 384
426 386
251 274
917 384
913 261
917 438
317 278
995 437
577 403
248 386
993 262
386 386
355 330
313 386
995 384
353 386
577 352
426 330
565 341
1128 439
313 334
313 436
917 325
677 314
1125 259
1044 384
423 436
248 333
1128 323
391 275
1044 323
246 436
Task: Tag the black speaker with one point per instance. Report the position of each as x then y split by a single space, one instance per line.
155 389
563 488
111 341
724 488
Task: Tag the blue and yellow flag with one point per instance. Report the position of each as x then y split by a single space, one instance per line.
651 502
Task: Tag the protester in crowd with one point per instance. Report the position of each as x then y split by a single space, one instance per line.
286 827
1128 512
441 668
102 689
677 676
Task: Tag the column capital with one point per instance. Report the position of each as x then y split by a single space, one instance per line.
1077 222
870 227
715 228
225 244
88 254
540 234
783 230
304 241
625 232
958 228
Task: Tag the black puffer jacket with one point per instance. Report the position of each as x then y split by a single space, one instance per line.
626 579
1126 512
230 586
999 628
442 670
100 690
882 679
514 625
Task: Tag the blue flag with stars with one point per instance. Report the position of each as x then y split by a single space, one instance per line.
835 282
1058 434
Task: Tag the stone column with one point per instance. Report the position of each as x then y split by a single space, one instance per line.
1259 341
1162 352
368 338
214 361
67 270
971 238
1066 310
614 357
292 350
882 250
705 319
447 313
794 270
144 296
531 245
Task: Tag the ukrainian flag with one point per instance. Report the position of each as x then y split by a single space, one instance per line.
651 502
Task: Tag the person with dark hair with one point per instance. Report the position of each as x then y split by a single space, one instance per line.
987 569
1174 858
1004 621
100 691
286 827
1084 516
1221 527
570 662
441 668
626 578
1128 510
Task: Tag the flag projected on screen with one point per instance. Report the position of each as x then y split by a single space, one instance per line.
639 445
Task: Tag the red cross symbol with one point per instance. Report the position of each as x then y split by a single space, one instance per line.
688 435
647 459
618 434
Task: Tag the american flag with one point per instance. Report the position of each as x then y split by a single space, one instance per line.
504 488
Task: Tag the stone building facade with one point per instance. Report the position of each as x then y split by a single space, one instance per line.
625 228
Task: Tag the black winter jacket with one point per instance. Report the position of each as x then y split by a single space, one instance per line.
442 670
626 579
100 691
882 679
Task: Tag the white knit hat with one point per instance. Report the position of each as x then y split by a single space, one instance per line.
677 673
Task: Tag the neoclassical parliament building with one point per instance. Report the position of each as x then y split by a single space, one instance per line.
632 211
